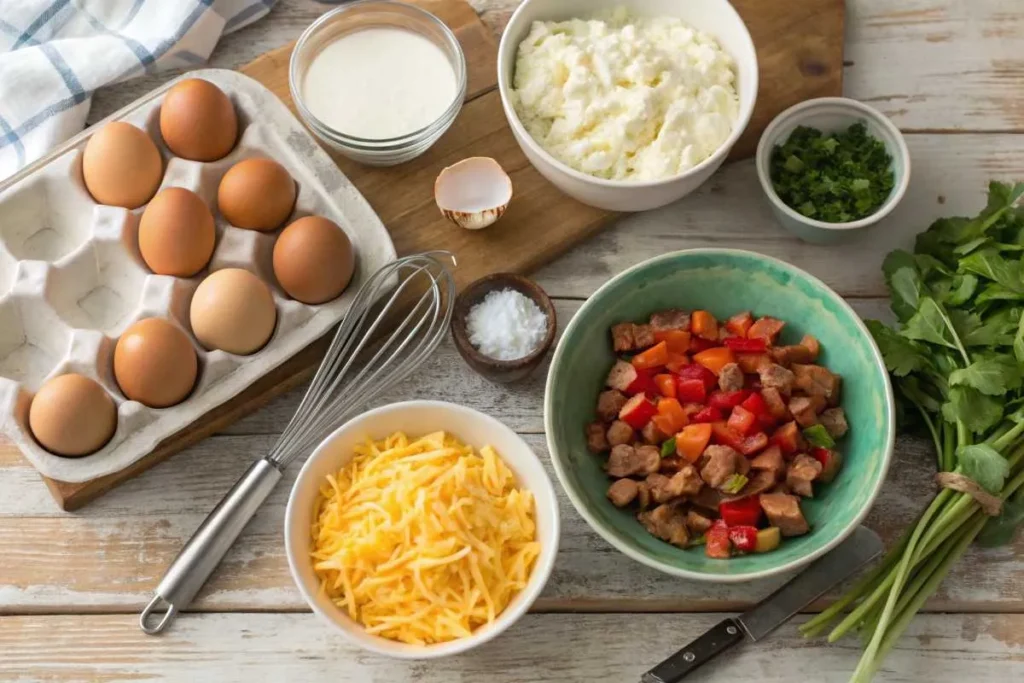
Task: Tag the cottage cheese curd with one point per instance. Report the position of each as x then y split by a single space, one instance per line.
623 97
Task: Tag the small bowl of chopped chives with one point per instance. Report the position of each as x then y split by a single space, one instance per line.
831 166
503 325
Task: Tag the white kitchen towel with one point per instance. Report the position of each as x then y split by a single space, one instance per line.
55 53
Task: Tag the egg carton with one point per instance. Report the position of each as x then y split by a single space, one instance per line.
72 279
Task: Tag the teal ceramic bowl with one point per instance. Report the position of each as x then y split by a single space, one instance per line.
723 281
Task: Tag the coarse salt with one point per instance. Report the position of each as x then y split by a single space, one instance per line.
506 325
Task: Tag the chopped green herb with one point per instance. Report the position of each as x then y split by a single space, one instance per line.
819 436
668 448
694 542
835 178
734 484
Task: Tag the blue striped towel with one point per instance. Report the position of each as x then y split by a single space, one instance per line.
55 53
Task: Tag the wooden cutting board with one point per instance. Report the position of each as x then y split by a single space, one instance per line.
800 52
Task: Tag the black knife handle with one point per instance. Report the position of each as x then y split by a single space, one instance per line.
698 652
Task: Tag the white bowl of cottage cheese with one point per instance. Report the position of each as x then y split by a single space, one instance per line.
627 106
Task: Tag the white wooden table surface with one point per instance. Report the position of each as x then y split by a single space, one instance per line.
951 75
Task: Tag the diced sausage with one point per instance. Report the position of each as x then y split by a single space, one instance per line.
671 319
770 460
802 408
742 466
652 434
811 344
609 403
777 377
597 440
787 355
730 378
697 523
831 468
626 461
643 495
668 523
622 492
672 464
834 420
722 462
685 482
802 471
766 328
643 336
621 375
622 337
620 433
761 482
783 511
707 498
781 488
724 333
776 404
815 380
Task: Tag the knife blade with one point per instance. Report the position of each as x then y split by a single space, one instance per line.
862 546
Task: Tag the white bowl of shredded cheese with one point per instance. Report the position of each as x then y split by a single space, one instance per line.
421 529
627 105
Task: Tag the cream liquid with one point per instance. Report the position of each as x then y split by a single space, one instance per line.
379 83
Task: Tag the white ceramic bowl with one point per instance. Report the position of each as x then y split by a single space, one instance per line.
715 17
831 114
416 418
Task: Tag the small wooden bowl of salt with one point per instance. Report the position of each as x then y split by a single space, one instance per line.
503 324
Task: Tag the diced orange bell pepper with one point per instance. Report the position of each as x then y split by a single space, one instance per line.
692 440
666 385
676 361
750 363
740 323
767 328
715 359
654 357
678 340
704 325
671 408
664 425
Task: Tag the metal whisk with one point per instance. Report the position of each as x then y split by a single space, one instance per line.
397 319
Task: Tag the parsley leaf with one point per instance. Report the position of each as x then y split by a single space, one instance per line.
983 464
991 376
901 355
1000 530
978 412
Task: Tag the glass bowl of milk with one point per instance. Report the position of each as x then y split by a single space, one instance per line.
378 81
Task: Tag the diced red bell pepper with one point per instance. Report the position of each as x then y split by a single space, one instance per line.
727 400
716 541
741 511
643 383
822 455
742 420
690 390
638 411
787 438
715 359
698 344
676 361
691 442
744 538
755 404
727 436
670 408
754 444
666 384
708 414
698 371
740 323
654 357
704 325
678 341
741 345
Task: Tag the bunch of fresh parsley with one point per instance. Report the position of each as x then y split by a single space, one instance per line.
957 361
834 178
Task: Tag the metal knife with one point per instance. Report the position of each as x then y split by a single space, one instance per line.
862 546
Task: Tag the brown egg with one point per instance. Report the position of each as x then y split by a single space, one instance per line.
233 310
72 415
198 121
256 194
121 166
155 363
313 260
176 235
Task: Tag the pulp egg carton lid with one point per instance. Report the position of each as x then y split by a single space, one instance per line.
72 279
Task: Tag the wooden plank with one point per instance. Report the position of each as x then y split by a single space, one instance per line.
242 648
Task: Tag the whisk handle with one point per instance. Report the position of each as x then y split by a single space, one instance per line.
208 545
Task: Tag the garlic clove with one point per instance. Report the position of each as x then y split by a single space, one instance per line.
473 193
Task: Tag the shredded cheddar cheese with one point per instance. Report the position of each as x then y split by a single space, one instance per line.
423 541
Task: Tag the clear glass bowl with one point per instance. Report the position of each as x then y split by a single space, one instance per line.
362 15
